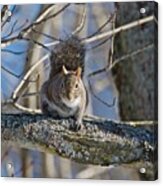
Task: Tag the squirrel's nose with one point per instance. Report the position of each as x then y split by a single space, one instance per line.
69 96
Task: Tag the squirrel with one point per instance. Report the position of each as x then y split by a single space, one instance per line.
64 94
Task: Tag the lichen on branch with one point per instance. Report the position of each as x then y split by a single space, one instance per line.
100 142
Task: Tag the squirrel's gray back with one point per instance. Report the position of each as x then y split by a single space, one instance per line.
70 53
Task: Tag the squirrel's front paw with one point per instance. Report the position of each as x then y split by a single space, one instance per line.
75 126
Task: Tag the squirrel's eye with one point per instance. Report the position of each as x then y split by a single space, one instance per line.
76 86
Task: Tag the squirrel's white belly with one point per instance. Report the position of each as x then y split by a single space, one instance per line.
63 113
72 104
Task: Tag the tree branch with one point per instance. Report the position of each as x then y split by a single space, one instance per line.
119 29
82 22
5 15
101 142
23 33
116 61
26 76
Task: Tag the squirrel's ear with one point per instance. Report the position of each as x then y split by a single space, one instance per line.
64 70
78 72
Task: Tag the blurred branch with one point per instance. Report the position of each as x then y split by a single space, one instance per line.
116 61
101 141
10 72
25 79
11 31
131 54
99 44
5 15
26 76
18 76
20 107
53 43
98 98
82 22
119 29
41 19
26 109
3 12
36 42
13 52
46 35
111 51
16 94
109 20
11 102
30 94
109 66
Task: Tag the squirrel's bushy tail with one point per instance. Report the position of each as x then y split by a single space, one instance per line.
70 53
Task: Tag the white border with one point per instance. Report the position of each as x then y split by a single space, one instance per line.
61 182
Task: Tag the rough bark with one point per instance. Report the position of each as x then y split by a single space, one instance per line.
136 76
101 141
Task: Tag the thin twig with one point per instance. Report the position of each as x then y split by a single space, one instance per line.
13 9
101 27
111 53
17 76
80 27
5 15
41 19
13 52
28 29
22 25
98 98
11 73
3 12
25 109
110 66
26 76
26 95
15 30
131 54
132 123
46 35
7 102
109 33
11 31
36 42
30 94
51 43
99 44
118 30
45 12
110 20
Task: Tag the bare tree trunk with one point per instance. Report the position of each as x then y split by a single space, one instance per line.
136 77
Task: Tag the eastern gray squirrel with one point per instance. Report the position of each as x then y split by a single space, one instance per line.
64 95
